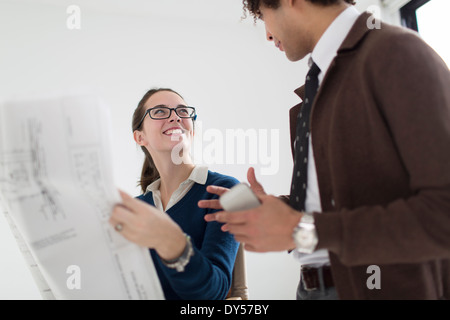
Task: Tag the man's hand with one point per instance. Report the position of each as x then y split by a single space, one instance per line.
215 204
266 228
256 187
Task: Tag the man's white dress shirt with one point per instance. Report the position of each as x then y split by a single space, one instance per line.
323 54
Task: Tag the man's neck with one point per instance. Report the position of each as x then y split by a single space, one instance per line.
323 17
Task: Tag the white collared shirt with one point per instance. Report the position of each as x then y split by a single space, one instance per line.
326 49
198 175
323 54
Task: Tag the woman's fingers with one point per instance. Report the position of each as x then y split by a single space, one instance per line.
216 190
209 204
214 203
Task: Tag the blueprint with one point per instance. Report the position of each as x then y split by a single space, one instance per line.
58 191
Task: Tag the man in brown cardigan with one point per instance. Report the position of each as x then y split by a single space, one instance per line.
380 135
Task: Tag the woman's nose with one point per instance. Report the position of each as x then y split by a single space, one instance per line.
269 36
174 117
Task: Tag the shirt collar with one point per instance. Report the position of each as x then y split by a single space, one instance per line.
329 43
198 175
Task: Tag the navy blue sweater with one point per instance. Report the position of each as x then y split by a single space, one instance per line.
208 274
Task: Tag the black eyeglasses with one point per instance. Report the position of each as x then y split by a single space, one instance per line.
162 112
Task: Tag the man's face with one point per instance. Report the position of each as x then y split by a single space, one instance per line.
287 29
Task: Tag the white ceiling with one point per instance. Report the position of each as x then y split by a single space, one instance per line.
219 10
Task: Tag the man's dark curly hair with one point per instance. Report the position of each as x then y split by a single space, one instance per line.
252 6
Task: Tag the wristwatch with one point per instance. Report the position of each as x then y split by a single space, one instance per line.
181 262
305 235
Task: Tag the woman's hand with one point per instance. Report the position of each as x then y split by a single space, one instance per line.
149 227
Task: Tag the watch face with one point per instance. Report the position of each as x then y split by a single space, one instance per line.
305 237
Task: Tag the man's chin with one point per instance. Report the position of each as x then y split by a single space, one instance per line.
295 57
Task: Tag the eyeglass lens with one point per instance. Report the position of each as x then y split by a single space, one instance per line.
164 112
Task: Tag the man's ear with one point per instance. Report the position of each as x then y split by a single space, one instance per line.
139 137
290 3
294 3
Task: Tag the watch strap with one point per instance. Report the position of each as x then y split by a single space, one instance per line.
181 262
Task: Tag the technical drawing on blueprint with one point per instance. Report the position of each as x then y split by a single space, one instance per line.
57 187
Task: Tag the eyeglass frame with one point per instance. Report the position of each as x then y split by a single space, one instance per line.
194 117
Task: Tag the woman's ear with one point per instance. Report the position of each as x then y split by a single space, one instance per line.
193 126
139 138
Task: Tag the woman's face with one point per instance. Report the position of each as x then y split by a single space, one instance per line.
163 135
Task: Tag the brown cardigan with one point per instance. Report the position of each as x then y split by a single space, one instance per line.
380 129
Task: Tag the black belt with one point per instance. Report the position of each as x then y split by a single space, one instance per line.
310 277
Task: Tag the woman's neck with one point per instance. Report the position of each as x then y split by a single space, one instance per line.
172 175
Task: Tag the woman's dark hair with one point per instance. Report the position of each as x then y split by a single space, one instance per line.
252 6
149 172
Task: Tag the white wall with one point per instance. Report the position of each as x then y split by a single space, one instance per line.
222 66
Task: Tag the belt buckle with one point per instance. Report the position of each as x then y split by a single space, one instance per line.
310 273
305 286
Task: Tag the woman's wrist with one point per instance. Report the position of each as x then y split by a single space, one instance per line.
181 261
172 247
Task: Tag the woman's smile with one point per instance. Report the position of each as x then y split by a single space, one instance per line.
174 131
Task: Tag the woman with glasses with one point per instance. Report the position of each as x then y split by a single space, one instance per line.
194 259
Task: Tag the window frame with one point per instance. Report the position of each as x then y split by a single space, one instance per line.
408 14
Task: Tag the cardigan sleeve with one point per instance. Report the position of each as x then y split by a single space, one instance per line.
207 276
